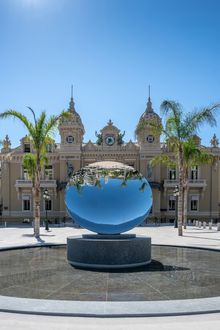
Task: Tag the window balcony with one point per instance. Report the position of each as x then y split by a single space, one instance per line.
28 183
48 183
200 183
170 183
23 183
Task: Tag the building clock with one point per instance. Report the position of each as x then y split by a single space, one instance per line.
110 140
150 138
69 139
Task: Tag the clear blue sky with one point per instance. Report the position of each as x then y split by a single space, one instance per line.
110 50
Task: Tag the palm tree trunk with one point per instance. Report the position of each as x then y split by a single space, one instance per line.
185 205
180 199
36 203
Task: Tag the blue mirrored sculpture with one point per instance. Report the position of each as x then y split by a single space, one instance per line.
108 197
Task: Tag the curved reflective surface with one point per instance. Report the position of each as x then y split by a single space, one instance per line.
108 197
175 273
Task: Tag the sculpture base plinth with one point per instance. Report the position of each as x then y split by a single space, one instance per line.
108 251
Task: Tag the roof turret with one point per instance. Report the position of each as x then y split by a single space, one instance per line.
149 114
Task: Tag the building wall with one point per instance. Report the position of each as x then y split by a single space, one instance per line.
75 155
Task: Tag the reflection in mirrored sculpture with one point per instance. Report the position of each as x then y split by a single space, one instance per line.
108 197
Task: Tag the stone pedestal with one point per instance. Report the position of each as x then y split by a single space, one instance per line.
108 251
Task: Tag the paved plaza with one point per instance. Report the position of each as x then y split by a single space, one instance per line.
194 237
167 235
33 322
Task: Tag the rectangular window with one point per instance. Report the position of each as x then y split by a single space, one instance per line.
172 174
194 203
48 172
27 147
194 173
172 203
26 203
48 205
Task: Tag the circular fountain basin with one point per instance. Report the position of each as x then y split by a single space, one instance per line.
179 280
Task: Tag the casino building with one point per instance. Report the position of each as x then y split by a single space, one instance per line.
72 153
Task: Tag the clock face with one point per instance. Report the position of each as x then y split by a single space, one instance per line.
69 139
150 138
109 140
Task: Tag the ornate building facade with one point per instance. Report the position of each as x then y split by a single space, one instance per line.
71 154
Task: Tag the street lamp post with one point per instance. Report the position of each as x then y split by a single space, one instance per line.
176 194
46 197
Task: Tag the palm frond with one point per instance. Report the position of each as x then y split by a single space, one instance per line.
35 119
173 143
41 121
43 160
50 125
193 155
29 163
164 159
53 122
170 107
39 130
173 110
204 158
21 117
156 127
197 118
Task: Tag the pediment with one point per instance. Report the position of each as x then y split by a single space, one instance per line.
90 146
110 128
131 146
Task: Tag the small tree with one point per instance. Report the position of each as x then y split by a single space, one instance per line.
39 131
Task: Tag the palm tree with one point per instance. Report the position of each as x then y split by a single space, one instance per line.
192 156
39 131
178 129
